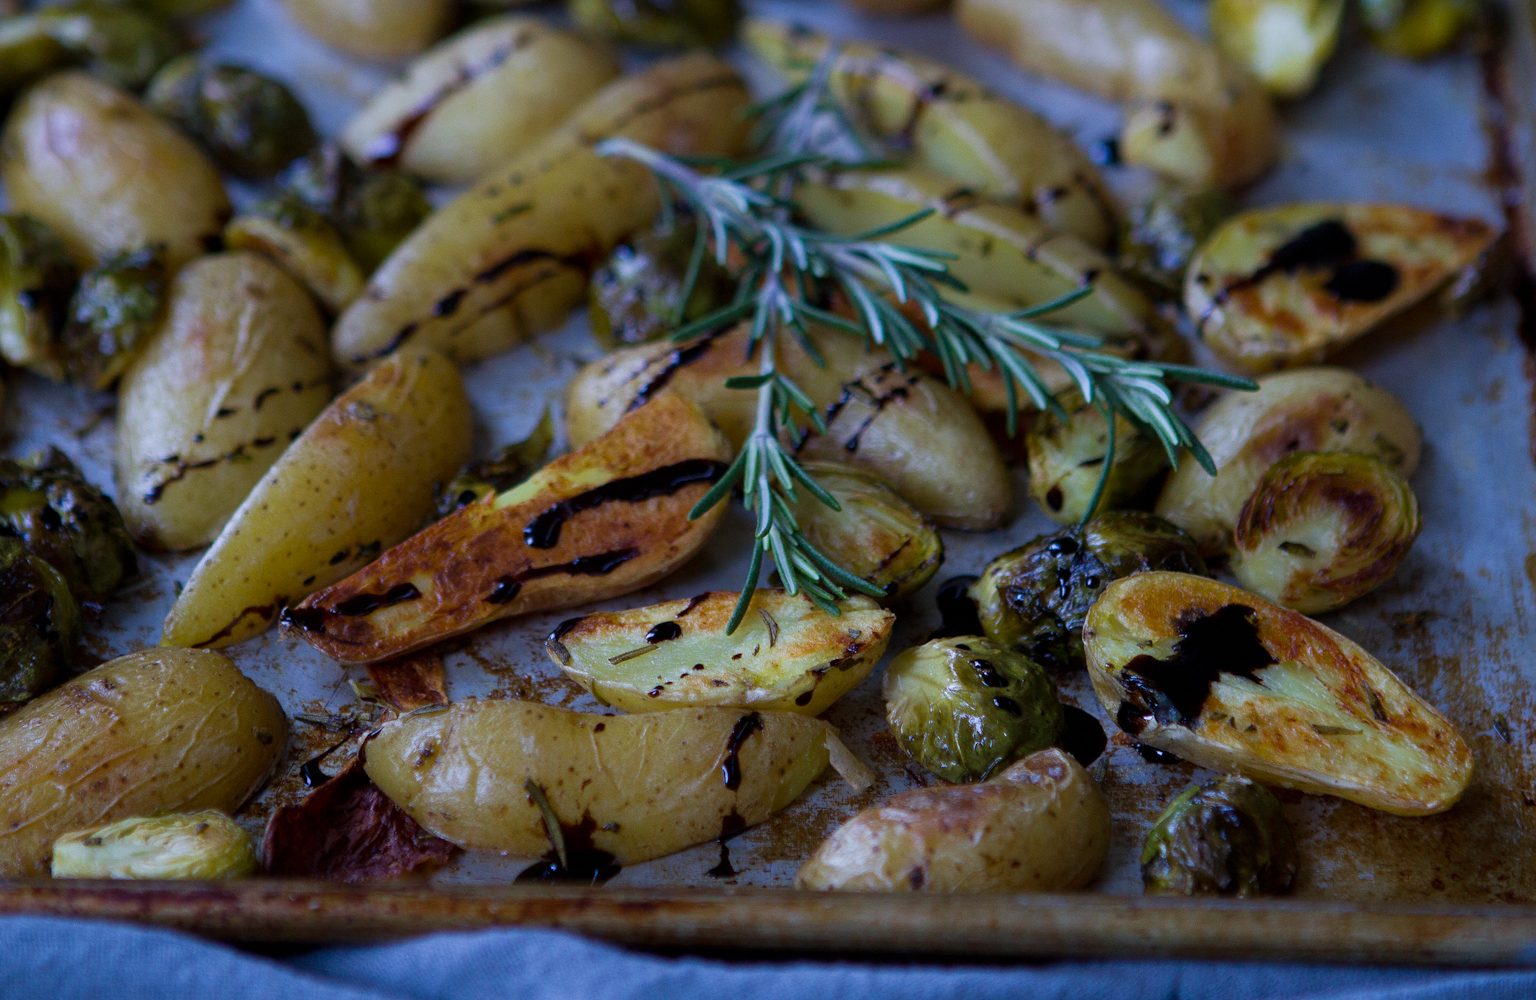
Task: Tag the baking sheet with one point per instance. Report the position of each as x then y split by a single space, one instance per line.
1457 623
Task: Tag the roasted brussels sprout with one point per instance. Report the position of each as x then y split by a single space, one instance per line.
373 209
965 707
1066 462
1226 837
26 51
1417 29
120 44
1164 230
306 243
36 275
113 310
39 624
636 296
198 845
65 521
251 124
1323 529
1284 43
1035 598
676 24
499 472
875 534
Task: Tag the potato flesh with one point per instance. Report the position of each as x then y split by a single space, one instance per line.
235 372
360 478
640 786
787 655
373 29
162 730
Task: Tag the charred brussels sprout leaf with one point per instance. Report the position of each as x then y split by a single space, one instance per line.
1226 837
1284 43
373 209
678 24
1066 462
198 845
637 295
965 707
65 521
36 276
114 309
252 124
1417 29
1164 230
500 471
118 43
1036 598
1323 529
39 624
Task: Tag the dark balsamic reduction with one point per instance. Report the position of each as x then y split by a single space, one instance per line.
957 610
1081 735
731 825
1173 691
663 632
364 604
310 771
1329 245
988 674
505 591
1007 704
1363 281
678 360
1152 755
304 619
730 768
693 602
583 862
599 564
564 628
543 531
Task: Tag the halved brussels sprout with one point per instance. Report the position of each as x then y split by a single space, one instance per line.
39 624
636 296
26 51
677 24
875 534
36 276
199 845
499 471
1036 597
64 520
118 43
251 124
114 309
1066 461
965 707
1226 837
305 243
373 209
1164 230
1284 43
1417 29
1323 529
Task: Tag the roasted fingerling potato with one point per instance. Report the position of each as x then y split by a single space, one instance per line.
197 845
1283 43
873 533
373 29
305 243
1067 454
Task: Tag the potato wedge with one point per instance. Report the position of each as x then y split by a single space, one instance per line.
787 655
633 787
511 256
1307 409
237 369
359 479
314 254
479 98
952 125
157 731
373 29
106 174
910 430
1042 825
1277 287
601 521
1229 681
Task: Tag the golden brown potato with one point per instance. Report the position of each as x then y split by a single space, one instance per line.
106 174
374 29
1307 409
359 479
1040 826
313 253
158 731
511 256
601 521
1229 681
636 786
236 371
478 99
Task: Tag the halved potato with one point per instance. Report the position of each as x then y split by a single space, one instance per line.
601 521
373 29
1276 287
787 655
313 253
953 125
1229 681
633 786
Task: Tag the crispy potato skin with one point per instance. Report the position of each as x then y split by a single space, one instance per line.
1306 409
237 369
1042 825
476 565
106 174
1396 753
479 98
373 29
511 256
641 786
361 477
163 730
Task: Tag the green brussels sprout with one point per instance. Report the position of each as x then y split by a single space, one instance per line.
198 845
119 44
1283 43
26 52
1226 837
499 472
1323 529
304 242
876 534
1418 29
65 521
1164 230
39 624
1066 462
677 24
36 276
636 296
1036 597
112 313
965 707
251 124
373 209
